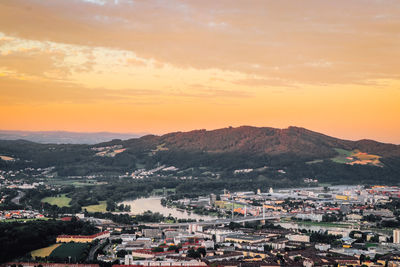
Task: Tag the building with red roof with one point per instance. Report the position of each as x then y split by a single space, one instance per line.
82 238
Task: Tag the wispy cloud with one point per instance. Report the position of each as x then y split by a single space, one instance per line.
266 34
16 90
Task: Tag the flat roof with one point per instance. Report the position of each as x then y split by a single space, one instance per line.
245 237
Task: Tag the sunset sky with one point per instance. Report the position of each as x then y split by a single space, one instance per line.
161 66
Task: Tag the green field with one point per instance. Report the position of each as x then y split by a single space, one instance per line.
74 182
161 191
315 161
324 184
77 251
352 157
44 252
356 157
96 208
326 224
342 157
60 201
158 148
24 220
228 206
371 245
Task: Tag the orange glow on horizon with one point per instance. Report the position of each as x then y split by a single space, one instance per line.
144 67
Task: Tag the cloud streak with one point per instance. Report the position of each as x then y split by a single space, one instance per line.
16 91
228 35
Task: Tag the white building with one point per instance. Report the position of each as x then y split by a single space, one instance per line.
322 247
396 236
310 216
298 238
208 244
128 238
195 228
353 217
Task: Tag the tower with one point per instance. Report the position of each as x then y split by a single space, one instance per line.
271 191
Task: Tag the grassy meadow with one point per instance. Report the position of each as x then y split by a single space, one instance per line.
76 251
44 252
101 207
60 201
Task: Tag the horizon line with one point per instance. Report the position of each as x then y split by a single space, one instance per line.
141 134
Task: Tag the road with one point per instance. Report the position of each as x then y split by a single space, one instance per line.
16 199
268 216
94 249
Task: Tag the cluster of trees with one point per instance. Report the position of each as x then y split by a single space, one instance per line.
17 239
170 248
389 224
149 216
382 223
393 205
112 206
332 217
198 253
318 237
123 207
372 218
362 237
145 217
9 194
254 225
121 253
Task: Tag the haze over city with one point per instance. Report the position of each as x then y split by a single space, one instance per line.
162 66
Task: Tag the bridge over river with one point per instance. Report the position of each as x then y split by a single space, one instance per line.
223 221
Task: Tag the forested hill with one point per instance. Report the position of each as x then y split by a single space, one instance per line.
308 153
271 141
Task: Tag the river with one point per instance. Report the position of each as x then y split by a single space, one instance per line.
138 206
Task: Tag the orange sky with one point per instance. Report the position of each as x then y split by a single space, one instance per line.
160 66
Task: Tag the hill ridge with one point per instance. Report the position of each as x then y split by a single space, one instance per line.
260 140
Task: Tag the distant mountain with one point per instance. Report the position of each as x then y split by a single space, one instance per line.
259 140
63 137
285 155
